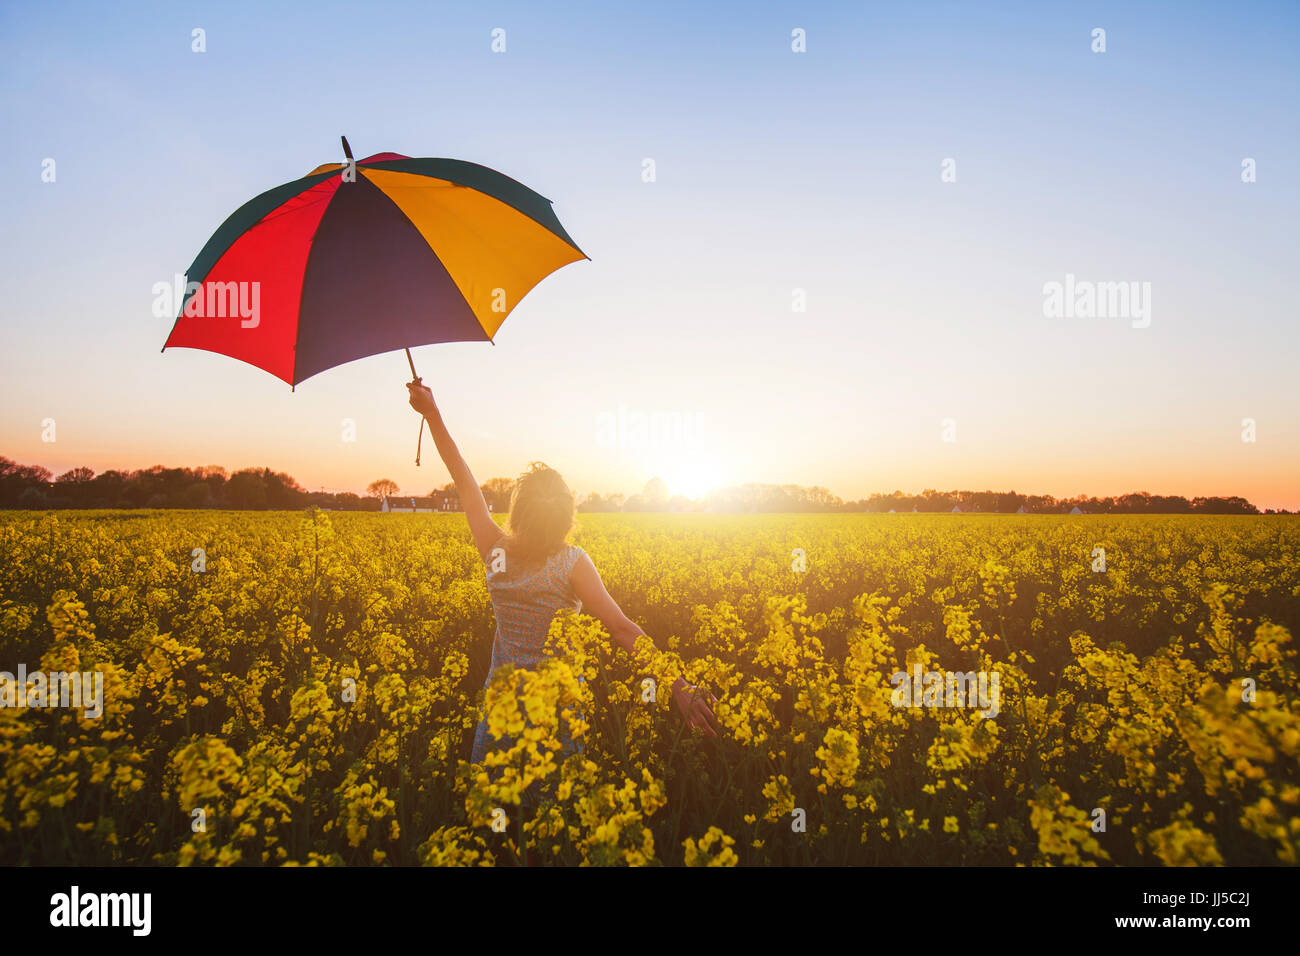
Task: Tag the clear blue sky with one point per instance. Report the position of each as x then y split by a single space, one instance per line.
775 171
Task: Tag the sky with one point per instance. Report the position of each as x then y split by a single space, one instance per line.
836 277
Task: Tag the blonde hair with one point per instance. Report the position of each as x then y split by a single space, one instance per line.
542 515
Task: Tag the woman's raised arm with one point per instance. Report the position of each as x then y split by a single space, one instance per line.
486 532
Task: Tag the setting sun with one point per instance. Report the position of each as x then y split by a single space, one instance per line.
691 477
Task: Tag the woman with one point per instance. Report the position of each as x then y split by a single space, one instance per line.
536 572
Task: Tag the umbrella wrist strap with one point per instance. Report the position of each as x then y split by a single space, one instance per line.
419 441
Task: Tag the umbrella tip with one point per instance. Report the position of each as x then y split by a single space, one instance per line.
347 150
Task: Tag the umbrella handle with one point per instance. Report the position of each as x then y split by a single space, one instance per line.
420 438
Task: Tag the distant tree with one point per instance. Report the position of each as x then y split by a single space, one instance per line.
1041 504
1133 503
320 499
382 488
106 490
497 492
820 499
597 503
76 476
246 490
1008 502
282 491
1234 505
35 473
197 495
934 500
655 492
73 488
15 479
33 498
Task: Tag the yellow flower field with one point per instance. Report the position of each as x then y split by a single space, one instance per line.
289 688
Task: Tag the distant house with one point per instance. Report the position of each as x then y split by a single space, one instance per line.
438 501
891 511
1076 510
956 510
1021 510
408 505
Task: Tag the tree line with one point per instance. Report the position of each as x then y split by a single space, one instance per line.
755 497
31 486
210 486
998 502
35 487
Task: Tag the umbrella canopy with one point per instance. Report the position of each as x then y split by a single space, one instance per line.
360 258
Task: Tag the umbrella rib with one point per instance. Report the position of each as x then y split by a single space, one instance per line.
411 166
302 285
280 210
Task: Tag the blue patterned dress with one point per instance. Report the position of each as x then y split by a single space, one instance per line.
525 602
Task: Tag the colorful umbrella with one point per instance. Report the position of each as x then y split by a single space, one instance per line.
359 258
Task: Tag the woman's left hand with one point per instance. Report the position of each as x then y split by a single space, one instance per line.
694 707
421 398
